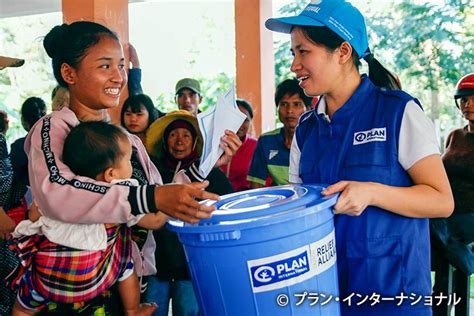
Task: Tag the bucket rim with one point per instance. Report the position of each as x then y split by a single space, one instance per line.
312 207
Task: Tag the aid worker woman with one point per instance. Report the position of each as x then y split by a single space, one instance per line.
376 147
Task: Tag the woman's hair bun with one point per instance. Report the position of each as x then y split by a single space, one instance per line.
55 39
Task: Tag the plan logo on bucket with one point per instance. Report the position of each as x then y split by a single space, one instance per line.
292 267
264 274
280 270
373 135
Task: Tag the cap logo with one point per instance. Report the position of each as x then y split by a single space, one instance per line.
316 1
341 28
312 9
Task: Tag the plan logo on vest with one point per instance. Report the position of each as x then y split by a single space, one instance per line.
373 135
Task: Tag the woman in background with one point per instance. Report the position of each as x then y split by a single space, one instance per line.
138 113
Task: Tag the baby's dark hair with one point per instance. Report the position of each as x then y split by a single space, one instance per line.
92 147
291 87
68 43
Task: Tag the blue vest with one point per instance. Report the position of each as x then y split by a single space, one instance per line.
379 251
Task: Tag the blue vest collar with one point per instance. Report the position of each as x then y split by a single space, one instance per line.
357 99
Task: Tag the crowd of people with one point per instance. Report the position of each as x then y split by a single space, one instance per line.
83 202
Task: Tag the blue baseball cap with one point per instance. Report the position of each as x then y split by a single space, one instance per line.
338 15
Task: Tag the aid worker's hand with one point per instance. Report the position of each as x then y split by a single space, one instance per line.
179 201
354 197
7 225
230 144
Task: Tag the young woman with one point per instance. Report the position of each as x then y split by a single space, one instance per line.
372 144
88 59
138 112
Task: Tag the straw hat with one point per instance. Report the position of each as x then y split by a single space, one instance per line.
10 62
154 134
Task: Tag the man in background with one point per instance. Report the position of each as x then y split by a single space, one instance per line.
188 95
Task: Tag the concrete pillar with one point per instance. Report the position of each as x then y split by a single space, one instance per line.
111 13
255 60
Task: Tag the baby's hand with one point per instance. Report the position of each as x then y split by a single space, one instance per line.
33 212
153 220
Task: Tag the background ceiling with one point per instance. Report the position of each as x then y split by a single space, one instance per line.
10 8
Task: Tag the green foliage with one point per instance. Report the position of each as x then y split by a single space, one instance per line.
213 87
35 77
430 44
283 57
165 103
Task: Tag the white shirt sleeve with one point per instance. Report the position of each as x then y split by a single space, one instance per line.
295 155
417 138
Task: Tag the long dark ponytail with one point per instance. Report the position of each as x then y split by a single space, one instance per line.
378 74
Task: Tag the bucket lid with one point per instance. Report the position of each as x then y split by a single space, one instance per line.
252 204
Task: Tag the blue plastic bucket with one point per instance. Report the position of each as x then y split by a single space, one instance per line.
268 251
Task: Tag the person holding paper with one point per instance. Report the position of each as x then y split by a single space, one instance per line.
174 143
271 158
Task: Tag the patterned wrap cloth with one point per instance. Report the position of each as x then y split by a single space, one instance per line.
66 275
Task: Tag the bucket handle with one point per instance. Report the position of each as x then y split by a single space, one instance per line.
209 237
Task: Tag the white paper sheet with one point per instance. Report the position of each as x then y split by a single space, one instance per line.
213 123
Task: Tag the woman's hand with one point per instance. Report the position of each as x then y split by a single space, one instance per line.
230 144
7 225
179 201
354 197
